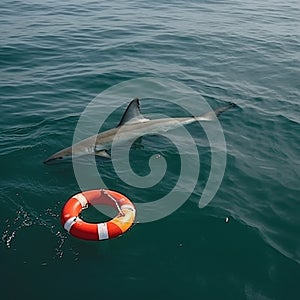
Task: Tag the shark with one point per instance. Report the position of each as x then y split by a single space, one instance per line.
132 125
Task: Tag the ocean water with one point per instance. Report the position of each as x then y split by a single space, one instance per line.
57 56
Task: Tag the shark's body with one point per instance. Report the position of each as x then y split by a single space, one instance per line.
132 125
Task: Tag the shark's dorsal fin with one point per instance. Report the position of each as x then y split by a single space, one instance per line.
132 113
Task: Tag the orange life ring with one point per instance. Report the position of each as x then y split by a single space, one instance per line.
97 231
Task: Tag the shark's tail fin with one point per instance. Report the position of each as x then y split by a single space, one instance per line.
220 110
212 115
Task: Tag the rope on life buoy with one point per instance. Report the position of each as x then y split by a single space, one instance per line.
115 227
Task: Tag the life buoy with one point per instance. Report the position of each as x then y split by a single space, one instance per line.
97 231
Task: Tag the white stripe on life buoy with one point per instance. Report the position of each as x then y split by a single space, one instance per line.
102 231
81 199
127 206
69 223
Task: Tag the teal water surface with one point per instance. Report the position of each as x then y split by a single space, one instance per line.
56 56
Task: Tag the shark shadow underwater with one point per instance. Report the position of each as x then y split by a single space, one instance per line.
132 124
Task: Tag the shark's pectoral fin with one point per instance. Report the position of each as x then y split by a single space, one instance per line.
102 153
138 143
